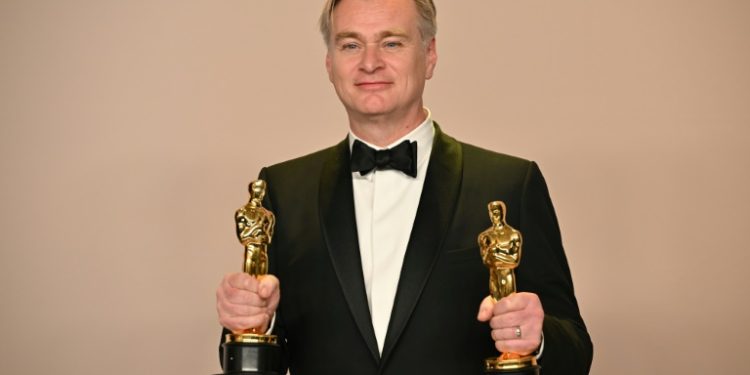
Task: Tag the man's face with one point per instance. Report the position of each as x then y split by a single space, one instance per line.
376 59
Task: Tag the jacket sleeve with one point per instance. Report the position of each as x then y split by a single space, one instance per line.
278 328
544 268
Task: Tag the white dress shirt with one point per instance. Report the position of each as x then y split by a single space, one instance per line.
385 205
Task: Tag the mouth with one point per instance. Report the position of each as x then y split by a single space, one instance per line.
372 85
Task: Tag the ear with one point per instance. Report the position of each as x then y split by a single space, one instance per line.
328 65
431 57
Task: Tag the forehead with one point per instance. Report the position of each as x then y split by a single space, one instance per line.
374 16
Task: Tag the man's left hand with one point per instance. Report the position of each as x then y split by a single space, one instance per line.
518 313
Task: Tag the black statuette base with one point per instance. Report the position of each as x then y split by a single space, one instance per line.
531 370
251 358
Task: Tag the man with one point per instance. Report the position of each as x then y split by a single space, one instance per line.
376 252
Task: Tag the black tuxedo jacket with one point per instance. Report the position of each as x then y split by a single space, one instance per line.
323 316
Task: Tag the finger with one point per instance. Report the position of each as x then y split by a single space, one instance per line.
524 301
509 304
236 317
528 342
231 311
268 285
240 296
507 320
238 324
530 313
531 318
504 334
244 298
532 305
241 280
485 309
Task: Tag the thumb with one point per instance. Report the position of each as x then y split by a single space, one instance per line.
268 285
485 309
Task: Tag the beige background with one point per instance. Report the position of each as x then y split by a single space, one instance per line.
129 130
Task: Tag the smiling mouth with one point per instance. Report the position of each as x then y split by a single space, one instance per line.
373 85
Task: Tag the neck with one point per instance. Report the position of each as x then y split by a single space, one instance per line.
382 130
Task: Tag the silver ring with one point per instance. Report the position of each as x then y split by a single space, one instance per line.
518 332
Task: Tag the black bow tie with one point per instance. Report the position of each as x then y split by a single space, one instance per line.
403 157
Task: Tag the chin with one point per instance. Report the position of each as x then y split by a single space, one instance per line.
373 106
370 112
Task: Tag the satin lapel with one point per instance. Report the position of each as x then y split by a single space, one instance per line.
340 232
434 216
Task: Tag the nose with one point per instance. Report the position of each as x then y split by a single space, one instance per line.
371 59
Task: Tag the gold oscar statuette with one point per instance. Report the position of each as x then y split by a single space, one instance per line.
500 247
253 351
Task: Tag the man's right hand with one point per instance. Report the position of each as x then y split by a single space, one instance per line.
245 302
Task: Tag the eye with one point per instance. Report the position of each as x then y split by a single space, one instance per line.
351 46
392 44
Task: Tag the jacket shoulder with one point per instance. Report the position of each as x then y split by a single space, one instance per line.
483 160
301 168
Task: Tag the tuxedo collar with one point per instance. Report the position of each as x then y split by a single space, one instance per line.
434 216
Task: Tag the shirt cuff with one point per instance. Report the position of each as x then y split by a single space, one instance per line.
538 353
273 323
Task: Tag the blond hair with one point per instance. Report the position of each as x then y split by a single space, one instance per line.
425 9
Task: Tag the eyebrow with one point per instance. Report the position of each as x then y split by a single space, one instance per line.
382 35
